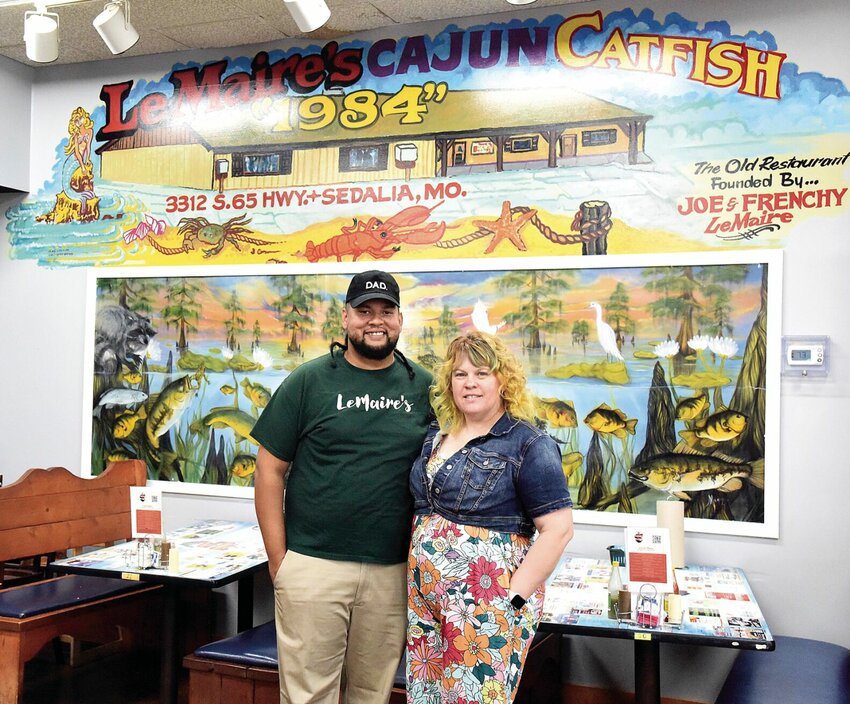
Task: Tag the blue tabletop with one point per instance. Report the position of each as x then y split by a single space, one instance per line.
719 607
211 552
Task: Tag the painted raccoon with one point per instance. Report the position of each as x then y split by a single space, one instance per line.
120 336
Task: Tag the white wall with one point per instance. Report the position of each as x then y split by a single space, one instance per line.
802 580
41 319
15 116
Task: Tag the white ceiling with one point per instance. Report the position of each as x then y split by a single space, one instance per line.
177 25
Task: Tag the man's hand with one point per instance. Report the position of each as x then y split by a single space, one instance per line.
274 564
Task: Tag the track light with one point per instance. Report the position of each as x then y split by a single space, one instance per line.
113 26
309 15
41 35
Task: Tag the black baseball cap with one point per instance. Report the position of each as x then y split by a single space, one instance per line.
372 284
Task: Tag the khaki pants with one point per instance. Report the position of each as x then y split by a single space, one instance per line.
333 615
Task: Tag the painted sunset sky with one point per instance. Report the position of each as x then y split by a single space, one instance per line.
425 293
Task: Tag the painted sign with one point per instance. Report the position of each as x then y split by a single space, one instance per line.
587 133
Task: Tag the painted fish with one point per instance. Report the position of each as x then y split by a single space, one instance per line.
228 390
171 403
571 462
556 413
604 419
718 427
681 473
119 397
243 466
228 417
692 407
125 422
258 394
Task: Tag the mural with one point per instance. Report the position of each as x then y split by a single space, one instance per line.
654 375
587 133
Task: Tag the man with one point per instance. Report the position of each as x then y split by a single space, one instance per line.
343 431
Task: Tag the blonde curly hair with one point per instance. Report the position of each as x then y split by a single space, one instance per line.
483 350
86 124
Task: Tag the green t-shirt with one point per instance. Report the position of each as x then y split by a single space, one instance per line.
351 436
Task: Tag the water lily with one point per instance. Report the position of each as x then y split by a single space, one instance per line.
227 353
723 346
699 342
263 358
666 349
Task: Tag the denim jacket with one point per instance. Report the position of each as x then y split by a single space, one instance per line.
501 481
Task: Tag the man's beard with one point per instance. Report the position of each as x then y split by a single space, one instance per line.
370 352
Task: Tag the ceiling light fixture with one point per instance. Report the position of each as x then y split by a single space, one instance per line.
113 26
309 15
41 35
521 2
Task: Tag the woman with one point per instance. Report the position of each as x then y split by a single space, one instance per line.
485 480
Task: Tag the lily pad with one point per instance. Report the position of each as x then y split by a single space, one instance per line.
610 372
241 363
701 380
191 361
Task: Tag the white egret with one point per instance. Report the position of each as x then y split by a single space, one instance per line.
605 334
481 321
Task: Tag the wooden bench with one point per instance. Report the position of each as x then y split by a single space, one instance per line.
48 512
243 670
799 671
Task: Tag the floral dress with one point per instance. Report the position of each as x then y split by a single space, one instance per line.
465 641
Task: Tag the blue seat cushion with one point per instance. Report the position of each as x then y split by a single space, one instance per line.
799 671
256 647
61 593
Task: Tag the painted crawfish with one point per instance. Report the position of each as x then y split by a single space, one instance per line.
380 239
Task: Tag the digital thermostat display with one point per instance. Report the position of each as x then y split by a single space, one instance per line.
808 355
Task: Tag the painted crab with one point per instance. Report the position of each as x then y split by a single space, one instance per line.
198 232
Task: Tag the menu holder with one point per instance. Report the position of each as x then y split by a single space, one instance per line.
146 512
648 558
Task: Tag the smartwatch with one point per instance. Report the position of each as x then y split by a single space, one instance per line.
517 601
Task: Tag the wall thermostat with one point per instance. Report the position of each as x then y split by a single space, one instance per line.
805 355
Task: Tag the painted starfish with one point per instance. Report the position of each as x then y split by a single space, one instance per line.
506 227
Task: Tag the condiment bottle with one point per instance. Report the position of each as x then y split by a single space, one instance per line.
615 584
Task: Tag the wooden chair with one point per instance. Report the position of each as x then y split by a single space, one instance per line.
50 511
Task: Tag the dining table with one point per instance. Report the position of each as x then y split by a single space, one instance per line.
209 553
718 609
